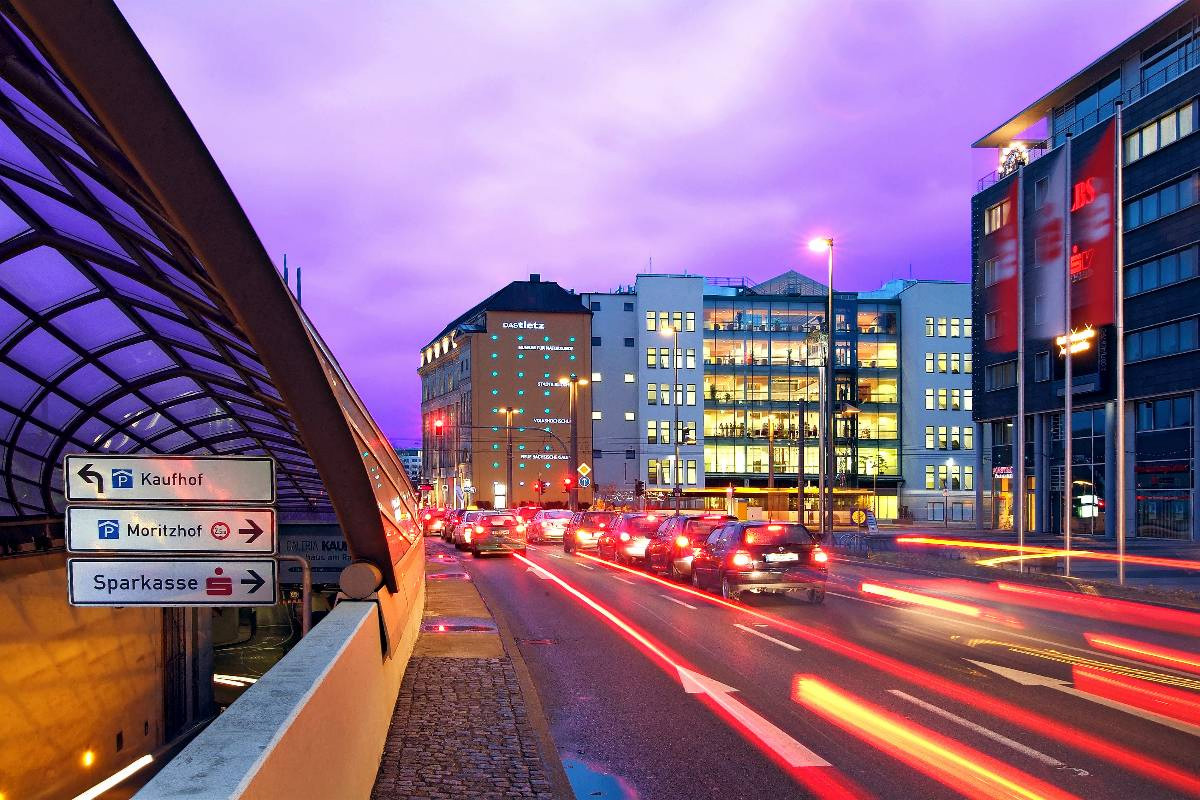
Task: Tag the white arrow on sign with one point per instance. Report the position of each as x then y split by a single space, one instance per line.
247 531
1064 686
791 751
162 582
177 479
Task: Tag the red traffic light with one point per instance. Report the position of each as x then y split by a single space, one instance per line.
439 425
567 481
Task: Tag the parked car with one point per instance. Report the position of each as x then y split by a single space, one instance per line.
585 528
432 520
549 525
496 532
450 522
761 557
677 541
625 540
465 523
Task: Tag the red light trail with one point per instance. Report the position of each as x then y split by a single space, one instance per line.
1153 561
1155 654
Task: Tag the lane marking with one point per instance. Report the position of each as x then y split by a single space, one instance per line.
678 602
585 566
762 635
991 734
623 580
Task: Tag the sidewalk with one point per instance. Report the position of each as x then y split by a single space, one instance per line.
463 725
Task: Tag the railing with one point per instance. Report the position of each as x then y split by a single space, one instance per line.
1032 154
1150 83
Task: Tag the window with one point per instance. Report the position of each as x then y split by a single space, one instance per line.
596 377
596 341
929 326
941 326
630 454
930 441
1164 414
689 323
1001 376
630 343
956 400
968 438
663 317
597 455
1162 271
955 438
967 358
930 477
691 472
691 394
941 399
677 320
955 363
678 394
991 325
1161 340
968 399
995 217
652 471
651 357
968 478
929 362
1165 200
652 394
651 321
664 432
597 415
664 394
943 438
690 363
941 362
687 429
651 432
630 416
1041 188
1041 366
1167 129
991 271
629 306
630 377
595 305
955 329
929 399
664 357
967 327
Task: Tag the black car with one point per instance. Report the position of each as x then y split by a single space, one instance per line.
677 541
762 557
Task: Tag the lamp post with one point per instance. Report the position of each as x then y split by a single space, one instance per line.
817 245
676 399
508 486
573 381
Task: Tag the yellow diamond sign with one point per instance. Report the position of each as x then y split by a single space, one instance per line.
584 470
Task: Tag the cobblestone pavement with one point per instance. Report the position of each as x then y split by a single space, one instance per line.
460 730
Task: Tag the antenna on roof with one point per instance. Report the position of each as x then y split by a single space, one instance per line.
910 270
285 275
299 291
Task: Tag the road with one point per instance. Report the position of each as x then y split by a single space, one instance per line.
674 694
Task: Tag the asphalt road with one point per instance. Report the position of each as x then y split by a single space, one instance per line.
893 700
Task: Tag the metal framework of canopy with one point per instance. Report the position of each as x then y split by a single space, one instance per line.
139 312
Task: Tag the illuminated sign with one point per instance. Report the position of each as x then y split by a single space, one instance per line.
525 324
1081 262
1002 472
1079 341
544 347
543 457
1083 193
553 421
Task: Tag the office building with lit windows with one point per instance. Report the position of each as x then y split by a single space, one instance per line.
508 352
1153 75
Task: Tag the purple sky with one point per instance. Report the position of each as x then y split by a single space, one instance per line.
413 157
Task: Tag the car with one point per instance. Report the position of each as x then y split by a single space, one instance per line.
496 532
677 541
449 522
585 528
527 513
432 520
762 557
465 523
625 540
549 525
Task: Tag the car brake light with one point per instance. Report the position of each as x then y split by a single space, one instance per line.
479 529
429 516
681 541
579 534
624 536
695 551
520 529
651 517
741 559
601 524
467 537
774 527
749 537
819 556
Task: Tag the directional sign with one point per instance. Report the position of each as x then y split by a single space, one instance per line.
121 529
162 582
176 479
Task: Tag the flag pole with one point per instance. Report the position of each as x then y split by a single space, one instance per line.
1019 428
1120 300
1068 400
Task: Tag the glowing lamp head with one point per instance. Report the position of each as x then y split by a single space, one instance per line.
820 244
88 758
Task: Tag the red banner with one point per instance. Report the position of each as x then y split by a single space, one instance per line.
1048 285
1093 234
999 261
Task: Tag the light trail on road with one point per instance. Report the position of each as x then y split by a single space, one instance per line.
1155 654
1153 561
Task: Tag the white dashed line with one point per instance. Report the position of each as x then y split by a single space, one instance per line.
678 602
762 635
585 566
623 580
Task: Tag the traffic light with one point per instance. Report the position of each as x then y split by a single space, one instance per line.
639 488
439 426
568 482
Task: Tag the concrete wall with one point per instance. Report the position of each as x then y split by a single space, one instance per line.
614 435
71 680
316 723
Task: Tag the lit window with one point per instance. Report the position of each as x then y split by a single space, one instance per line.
596 377
689 324
941 362
954 327
995 217
941 326
651 320
929 399
651 358
630 377
929 362
597 415
630 416
929 326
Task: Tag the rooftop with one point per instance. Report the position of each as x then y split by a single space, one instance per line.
545 297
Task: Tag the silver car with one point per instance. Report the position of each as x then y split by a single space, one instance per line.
467 523
549 525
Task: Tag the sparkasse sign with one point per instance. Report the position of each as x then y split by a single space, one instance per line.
159 582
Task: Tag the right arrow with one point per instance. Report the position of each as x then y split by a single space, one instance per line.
90 476
254 531
1033 679
256 583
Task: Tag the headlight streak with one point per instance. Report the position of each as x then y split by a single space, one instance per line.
826 783
937 603
1105 608
963 769
1155 654
1156 770
1153 561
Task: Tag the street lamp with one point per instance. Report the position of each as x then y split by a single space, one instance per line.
825 243
675 400
508 487
573 381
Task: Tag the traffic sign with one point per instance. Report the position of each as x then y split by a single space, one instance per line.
859 516
245 531
164 582
585 482
176 479
584 470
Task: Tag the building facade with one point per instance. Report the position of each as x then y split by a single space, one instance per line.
1153 76
513 351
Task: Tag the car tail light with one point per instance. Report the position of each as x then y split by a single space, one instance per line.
681 541
749 537
624 536
601 524
429 516
651 517
819 556
579 534
713 516
774 527
467 537
741 559
479 529
695 551
520 529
